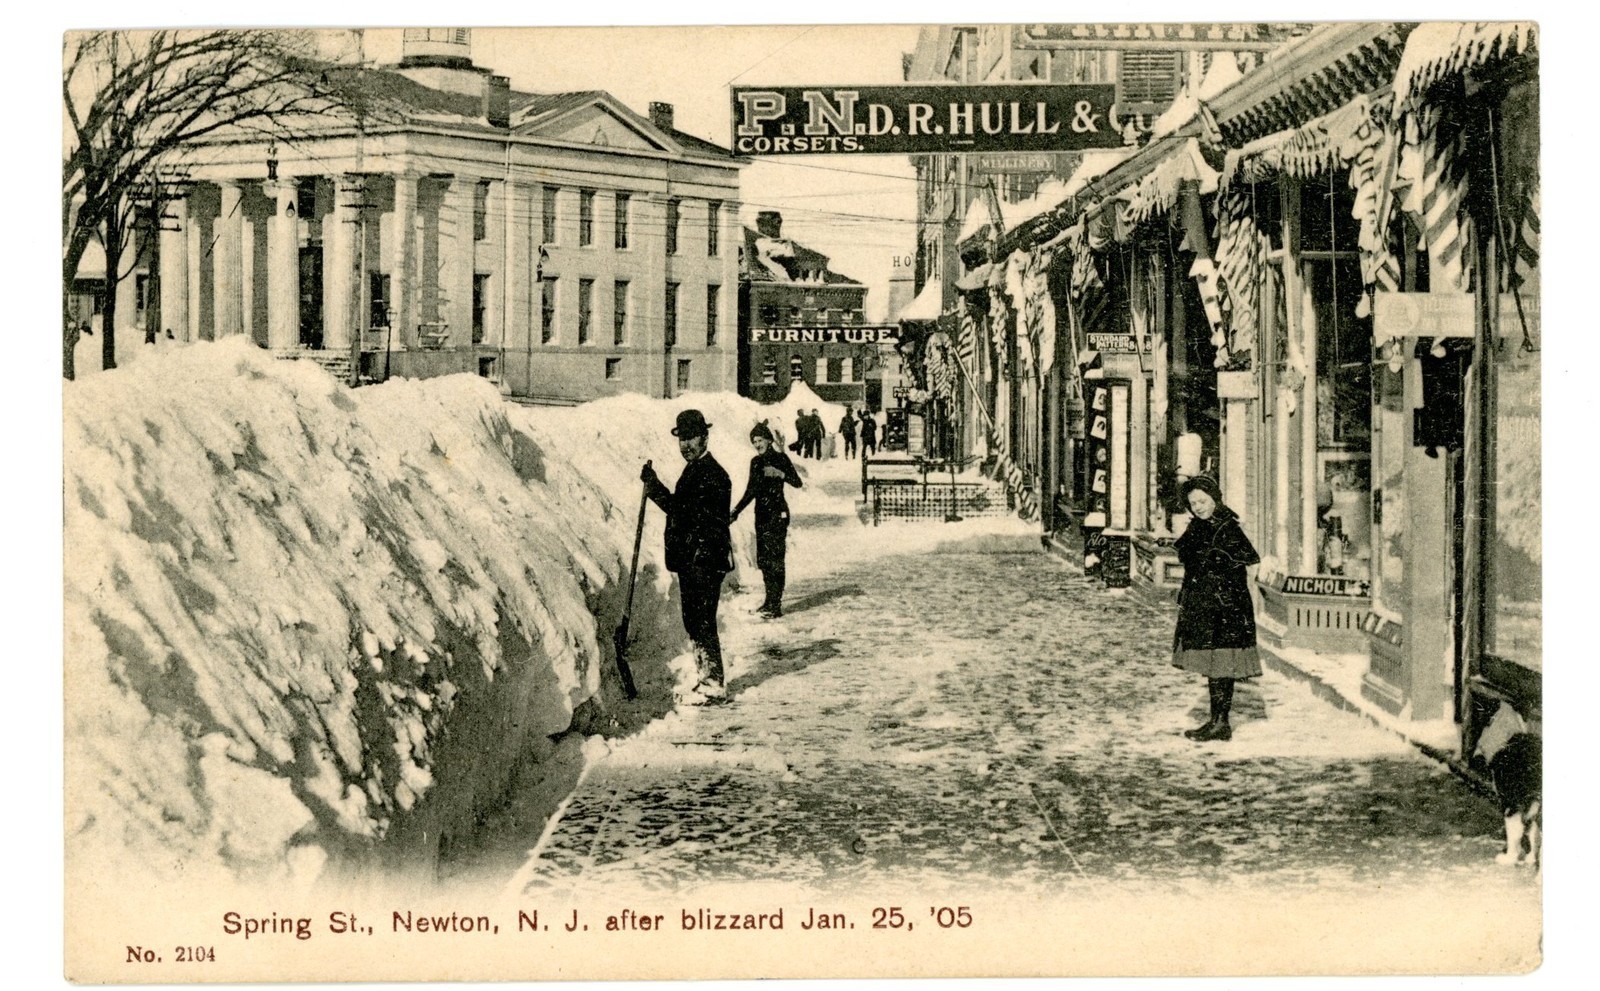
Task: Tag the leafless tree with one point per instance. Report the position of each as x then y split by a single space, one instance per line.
134 99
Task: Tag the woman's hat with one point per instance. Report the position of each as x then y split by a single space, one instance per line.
761 430
691 423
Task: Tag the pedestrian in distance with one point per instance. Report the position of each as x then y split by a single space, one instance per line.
1216 633
770 471
819 436
698 544
847 430
869 433
802 434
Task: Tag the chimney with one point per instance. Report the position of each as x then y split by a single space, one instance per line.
769 223
497 101
661 115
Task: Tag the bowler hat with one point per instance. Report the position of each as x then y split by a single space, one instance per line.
691 423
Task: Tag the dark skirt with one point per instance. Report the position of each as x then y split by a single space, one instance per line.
1220 662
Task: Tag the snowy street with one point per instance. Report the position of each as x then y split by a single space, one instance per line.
984 714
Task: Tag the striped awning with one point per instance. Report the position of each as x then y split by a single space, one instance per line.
1437 51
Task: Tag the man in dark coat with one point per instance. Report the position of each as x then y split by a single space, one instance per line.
699 548
869 433
847 430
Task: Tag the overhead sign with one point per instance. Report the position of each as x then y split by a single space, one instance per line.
825 335
1240 37
918 119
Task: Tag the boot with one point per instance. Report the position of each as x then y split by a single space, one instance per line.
1204 730
1221 691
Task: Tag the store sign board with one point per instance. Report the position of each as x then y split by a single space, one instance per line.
1113 343
1446 314
887 334
1013 163
921 119
1353 588
1422 314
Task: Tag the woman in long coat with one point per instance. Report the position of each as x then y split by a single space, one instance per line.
1216 634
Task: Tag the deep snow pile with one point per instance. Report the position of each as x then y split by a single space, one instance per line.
281 593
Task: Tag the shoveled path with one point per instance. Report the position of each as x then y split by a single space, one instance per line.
979 716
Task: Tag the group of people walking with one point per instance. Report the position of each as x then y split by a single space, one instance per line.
811 435
1216 629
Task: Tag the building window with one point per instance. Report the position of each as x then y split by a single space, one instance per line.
585 217
141 295
585 308
769 315
547 309
847 370
683 374
619 312
797 368
672 314
480 211
305 192
712 292
486 368
623 200
769 373
713 233
480 300
378 299
822 368
549 217
613 369
794 316
672 227
1148 82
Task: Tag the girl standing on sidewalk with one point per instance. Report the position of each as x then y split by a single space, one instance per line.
770 469
1216 634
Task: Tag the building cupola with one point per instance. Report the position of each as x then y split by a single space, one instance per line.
449 48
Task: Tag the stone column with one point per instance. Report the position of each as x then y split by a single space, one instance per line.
283 266
227 259
649 299
400 260
338 265
455 259
175 273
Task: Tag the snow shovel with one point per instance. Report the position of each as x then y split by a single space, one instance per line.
620 639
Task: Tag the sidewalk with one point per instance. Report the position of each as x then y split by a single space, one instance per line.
1334 678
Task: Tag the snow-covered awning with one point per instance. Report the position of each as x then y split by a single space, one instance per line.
928 305
1305 151
1435 51
983 276
1157 191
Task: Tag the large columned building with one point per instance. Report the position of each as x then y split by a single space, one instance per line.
561 245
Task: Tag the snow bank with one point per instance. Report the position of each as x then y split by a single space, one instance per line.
306 621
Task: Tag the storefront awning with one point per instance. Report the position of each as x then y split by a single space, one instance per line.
1305 151
982 277
928 305
1436 51
1157 191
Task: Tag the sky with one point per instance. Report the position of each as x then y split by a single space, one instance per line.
860 210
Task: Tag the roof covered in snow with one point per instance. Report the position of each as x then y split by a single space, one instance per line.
779 259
